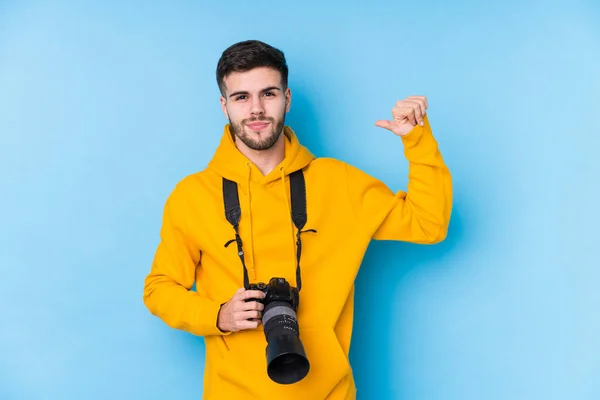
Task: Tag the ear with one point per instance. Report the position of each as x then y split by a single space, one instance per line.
288 99
224 107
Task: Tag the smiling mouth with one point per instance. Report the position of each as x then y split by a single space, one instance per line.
257 126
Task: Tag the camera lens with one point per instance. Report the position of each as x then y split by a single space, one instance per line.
286 358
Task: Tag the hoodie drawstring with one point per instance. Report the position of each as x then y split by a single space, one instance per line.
283 187
297 213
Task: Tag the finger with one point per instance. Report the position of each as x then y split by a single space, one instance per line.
418 111
238 293
253 305
248 315
404 113
246 324
425 102
252 294
420 102
248 306
401 111
384 124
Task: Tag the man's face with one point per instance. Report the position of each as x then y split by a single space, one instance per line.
255 104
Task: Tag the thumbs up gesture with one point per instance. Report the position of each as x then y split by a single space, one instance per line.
405 115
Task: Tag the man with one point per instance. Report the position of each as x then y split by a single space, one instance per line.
294 210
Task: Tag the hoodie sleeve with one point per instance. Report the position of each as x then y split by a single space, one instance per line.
167 288
419 215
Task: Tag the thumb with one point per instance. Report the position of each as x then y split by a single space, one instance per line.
384 124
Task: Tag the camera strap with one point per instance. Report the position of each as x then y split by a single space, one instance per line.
233 213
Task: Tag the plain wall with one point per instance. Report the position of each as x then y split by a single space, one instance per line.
104 106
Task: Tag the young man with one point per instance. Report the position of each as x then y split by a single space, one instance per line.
303 219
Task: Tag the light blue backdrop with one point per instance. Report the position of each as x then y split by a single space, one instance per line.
104 106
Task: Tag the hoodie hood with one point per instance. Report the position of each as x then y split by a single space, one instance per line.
230 163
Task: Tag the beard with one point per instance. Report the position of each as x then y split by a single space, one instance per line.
269 139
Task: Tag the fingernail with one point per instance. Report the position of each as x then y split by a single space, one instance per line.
422 123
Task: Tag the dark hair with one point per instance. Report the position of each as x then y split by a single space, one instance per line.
247 55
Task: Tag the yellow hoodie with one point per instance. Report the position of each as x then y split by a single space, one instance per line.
345 206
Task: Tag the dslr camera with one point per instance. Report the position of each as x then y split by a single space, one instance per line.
286 359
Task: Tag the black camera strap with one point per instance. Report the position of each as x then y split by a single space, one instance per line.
233 213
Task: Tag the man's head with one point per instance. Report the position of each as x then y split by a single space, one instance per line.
252 77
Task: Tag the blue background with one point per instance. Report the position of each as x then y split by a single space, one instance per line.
104 107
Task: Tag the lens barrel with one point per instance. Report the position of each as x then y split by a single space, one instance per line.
286 359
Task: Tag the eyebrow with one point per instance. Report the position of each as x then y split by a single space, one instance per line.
262 91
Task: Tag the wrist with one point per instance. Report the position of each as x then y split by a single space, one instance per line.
220 323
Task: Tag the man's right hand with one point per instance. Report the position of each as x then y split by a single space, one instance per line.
237 314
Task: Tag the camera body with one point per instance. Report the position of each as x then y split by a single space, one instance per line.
278 289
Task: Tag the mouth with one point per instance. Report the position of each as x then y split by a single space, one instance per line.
257 126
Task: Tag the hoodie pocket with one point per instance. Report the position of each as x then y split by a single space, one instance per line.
243 371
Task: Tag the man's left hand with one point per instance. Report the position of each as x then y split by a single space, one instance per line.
405 115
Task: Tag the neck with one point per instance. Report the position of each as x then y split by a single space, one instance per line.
265 160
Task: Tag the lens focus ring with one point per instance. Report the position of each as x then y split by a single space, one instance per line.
278 310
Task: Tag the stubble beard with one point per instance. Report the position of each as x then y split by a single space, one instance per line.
239 130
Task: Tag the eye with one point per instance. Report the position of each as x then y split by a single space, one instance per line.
241 97
269 94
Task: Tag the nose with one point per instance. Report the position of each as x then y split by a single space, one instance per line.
257 106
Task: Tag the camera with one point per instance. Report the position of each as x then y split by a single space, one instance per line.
286 359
